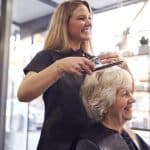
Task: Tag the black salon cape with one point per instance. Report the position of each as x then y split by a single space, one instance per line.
65 117
103 138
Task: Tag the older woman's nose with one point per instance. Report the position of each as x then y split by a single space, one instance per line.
132 98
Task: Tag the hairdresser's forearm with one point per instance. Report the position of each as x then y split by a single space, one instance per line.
35 84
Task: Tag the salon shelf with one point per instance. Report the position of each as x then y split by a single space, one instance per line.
136 55
142 111
141 129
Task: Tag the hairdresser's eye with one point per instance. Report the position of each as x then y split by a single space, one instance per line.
84 17
81 18
90 17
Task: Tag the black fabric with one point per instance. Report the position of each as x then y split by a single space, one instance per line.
129 141
108 139
65 116
87 145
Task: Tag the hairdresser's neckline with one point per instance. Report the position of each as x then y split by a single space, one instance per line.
76 50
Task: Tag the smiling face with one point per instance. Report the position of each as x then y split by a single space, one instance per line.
121 110
79 25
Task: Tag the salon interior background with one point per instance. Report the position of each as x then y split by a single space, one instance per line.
23 25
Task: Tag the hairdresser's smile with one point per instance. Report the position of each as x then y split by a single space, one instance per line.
86 30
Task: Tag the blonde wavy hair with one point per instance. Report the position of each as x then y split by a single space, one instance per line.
99 90
58 37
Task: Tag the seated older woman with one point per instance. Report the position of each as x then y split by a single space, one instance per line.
108 98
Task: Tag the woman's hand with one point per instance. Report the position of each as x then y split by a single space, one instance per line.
110 57
75 65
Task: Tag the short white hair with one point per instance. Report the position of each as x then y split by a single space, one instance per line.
99 90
